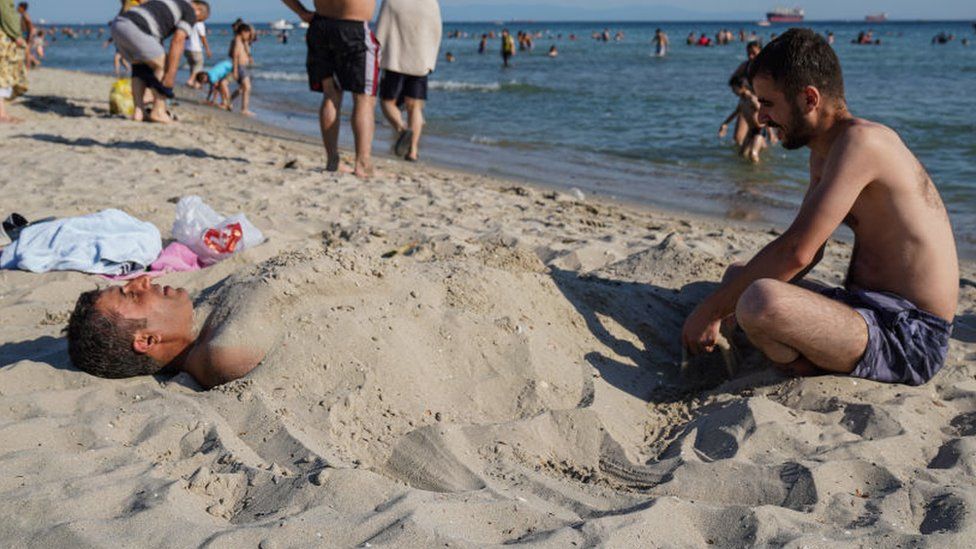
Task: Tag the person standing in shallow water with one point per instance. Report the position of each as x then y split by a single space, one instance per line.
508 47
892 319
343 55
661 43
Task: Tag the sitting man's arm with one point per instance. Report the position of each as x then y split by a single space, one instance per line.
848 170
176 46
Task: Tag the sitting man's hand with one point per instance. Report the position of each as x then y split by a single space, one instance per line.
701 331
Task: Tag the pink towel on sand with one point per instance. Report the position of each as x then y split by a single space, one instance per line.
175 258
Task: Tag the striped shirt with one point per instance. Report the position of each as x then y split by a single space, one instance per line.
161 18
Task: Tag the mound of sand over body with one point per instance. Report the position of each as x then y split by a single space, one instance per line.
454 361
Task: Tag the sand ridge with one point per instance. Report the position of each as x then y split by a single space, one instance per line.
456 360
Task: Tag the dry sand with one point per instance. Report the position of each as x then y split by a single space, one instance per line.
511 378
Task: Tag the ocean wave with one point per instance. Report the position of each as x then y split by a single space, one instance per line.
486 87
451 85
281 76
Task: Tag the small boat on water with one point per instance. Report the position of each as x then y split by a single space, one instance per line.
763 23
281 25
876 18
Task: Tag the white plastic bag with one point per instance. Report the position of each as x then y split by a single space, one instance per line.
210 235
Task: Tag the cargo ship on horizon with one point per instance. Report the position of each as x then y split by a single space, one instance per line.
785 15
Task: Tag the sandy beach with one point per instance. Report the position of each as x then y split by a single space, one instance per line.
458 361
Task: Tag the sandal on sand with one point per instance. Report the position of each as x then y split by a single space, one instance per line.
402 145
13 225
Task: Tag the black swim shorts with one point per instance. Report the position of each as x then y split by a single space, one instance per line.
397 86
344 50
905 344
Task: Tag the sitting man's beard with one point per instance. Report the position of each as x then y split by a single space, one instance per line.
798 135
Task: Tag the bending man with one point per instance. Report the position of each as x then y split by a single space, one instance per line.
139 34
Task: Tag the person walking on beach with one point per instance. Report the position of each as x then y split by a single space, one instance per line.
343 55
508 47
661 43
13 70
194 51
139 34
410 31
892 320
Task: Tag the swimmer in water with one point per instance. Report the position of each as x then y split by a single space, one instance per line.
748 109
661 43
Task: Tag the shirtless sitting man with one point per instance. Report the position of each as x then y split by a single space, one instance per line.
142 328
892 320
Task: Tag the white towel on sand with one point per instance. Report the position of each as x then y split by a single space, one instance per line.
409 32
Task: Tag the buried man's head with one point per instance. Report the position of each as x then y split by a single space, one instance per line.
130 330
798 80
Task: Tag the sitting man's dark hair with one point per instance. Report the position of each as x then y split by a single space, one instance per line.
100 343
799 58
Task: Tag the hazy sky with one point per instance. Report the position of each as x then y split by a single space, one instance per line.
98 11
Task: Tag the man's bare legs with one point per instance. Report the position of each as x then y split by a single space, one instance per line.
392 114
363 126
246 97
329 122
415 116
797 328
158 113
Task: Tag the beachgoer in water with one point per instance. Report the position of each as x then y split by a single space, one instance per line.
553 52
30 31
661 43
892 319
748 110
408 59
139 34
691 40
240 55
343 55
483 45
449 57
508 47
740 73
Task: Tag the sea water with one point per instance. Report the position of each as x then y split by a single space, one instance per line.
612 119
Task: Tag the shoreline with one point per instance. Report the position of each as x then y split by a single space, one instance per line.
509 374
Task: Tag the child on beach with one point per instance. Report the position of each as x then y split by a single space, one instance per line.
748 107
217 78
240 55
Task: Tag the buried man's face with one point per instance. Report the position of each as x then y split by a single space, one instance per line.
168 312
784 114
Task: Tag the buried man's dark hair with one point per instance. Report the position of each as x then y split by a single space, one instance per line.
799 58
100 343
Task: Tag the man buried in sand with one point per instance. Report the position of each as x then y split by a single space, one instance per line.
892 320
142 328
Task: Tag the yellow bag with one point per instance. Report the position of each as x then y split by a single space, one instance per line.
120 100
